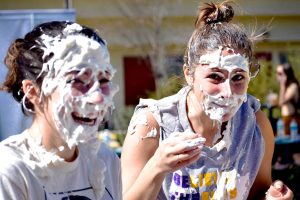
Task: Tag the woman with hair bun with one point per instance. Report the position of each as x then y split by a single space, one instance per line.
61 74
210 140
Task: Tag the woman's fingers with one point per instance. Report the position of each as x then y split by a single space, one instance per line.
186 162
179 150
279 191
187 155
275 189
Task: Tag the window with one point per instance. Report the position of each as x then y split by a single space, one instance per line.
139 79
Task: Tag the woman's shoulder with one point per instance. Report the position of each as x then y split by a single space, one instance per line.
253 103
11 147
165 108
293 88
12 163
294 85
14 175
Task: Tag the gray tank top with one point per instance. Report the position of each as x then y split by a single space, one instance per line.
225 171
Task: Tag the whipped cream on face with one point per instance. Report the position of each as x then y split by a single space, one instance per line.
229 62
216 106
77 54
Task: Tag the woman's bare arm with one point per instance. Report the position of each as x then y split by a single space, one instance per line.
145 161
264 177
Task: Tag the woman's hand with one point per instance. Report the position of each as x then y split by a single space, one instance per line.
279 191
177 151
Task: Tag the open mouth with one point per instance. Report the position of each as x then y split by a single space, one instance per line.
83 120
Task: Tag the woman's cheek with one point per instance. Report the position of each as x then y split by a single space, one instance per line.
240 89
211 89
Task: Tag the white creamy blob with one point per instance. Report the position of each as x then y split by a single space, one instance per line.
140 118
231 183
228 62
77 55
216 106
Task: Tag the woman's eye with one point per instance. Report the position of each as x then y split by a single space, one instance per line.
237 78
216 77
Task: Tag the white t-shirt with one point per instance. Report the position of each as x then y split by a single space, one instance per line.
27 171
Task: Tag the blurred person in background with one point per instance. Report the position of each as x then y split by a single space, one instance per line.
61 74
288 95
289 102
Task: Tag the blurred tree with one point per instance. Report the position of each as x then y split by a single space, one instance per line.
173 84
264 83
144 28
293 57
121 118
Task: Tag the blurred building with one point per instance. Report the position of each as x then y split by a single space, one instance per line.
161 28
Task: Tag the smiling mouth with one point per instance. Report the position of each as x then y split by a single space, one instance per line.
84 120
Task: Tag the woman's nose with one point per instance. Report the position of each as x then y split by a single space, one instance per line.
96 97
226 89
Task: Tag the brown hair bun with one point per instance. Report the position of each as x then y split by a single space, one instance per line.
213 13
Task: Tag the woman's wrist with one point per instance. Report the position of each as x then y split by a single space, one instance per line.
157 171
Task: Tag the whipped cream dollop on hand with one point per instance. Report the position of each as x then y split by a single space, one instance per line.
187 140
195 142
178 150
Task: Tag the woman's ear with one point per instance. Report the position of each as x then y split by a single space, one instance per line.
30 91
188 76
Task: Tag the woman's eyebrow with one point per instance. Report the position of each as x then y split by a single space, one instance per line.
239 70
218 69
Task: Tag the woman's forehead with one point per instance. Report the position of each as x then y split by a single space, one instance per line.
228 60
74 49
87 59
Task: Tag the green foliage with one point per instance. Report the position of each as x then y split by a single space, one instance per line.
264 83
122 118
294 59
170 87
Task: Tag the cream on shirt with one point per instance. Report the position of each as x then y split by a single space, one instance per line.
29 172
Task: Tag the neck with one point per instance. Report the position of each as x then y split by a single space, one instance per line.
51 140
